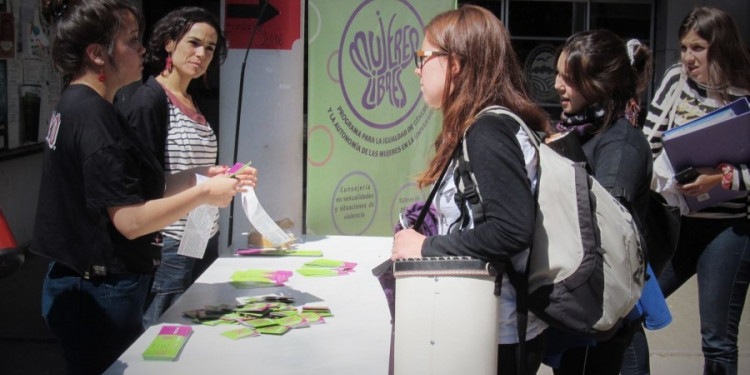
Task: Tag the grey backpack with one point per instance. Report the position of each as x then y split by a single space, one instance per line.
586 265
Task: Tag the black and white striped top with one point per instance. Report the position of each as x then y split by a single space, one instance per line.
679 100
190 143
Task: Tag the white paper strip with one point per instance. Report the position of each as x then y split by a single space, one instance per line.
261 221
197 232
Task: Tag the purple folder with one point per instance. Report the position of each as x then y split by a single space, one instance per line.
721 136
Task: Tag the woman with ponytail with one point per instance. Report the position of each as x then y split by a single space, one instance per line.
599 80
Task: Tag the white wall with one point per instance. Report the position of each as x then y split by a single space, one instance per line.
271 132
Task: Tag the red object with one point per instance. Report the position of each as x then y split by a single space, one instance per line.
278 28
101 75
727 171
11 258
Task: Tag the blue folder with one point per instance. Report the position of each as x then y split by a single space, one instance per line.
721 136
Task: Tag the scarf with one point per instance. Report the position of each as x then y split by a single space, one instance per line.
583 122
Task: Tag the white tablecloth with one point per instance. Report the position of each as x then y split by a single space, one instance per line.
354 341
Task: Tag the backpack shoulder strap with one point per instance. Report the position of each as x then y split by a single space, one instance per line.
468 187
533 137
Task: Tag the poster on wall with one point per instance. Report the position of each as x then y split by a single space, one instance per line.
369 132
30 86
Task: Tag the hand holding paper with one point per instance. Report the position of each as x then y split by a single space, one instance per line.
245 174
219 190
237 168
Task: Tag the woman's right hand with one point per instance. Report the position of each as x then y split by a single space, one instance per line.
706 180
219 190
407 243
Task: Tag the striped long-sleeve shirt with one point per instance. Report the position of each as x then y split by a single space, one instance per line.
679 100
179 137
190 143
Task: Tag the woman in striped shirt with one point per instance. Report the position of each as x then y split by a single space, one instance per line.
714 242
182 47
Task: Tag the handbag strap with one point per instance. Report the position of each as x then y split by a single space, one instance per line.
423 213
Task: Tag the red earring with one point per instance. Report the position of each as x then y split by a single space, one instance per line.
101 75
169 64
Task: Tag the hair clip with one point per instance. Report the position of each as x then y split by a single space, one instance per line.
632 46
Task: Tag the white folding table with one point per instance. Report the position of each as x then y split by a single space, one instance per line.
354 341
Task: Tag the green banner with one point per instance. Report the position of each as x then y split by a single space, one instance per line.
369 132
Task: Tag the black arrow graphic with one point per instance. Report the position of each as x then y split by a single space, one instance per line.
253 11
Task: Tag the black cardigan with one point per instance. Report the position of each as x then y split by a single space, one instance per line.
147 112
620 160
499 167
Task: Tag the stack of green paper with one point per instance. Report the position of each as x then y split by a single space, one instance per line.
259 278
326 267
167 345
280 252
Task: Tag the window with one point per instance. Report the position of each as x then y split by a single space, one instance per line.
539 27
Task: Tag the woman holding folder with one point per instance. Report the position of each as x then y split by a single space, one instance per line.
714 242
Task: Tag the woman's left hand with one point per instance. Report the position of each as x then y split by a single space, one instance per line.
407 243
707 180
248 176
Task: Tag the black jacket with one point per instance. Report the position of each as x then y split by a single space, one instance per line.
499 167
620 160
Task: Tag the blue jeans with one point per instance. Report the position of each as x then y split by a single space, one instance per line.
718 251
606 357
173 276
95 320
635 359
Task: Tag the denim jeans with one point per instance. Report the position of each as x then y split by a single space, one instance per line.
95 320
718 251
603 358
635 359
173 276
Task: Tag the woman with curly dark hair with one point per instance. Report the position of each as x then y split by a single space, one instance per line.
183 46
